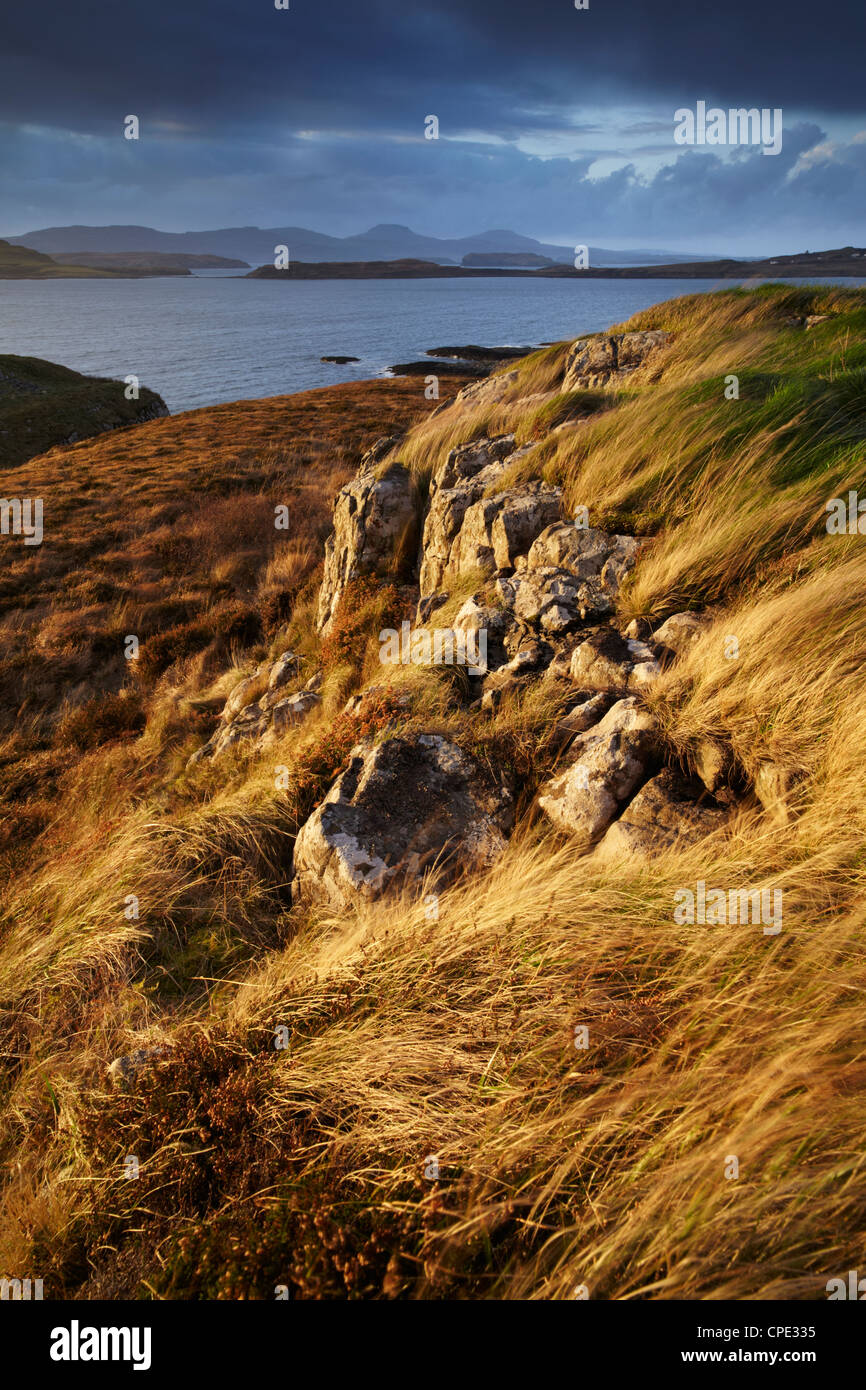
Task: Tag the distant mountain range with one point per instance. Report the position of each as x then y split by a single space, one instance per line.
386 242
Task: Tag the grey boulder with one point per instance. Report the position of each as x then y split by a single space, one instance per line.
663 816
608 763
403 808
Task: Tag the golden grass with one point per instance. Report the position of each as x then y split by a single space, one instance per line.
454 1036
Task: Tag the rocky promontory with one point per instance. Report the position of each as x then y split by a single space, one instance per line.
43 404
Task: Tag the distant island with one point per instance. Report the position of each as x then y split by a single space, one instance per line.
150 262
407 268
43 404
22 263
521 260
847 260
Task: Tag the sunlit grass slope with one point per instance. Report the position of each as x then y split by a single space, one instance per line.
709 1140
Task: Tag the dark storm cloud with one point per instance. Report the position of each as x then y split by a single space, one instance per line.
500 67
314 115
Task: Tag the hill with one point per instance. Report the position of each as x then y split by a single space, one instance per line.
42 404
21 263
155 262
255 245
536 976
845 261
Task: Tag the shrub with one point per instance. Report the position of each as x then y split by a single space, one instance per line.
103 718
367 605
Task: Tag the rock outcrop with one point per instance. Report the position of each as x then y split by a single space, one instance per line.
664 815
606 360
608 763
571 575
417 804
486 392
466 532
402 808
373 517
496 530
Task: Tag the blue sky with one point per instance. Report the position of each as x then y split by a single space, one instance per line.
553 121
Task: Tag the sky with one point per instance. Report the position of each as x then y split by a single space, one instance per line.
552 121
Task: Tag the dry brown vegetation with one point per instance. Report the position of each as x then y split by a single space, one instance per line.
453 1037
165 531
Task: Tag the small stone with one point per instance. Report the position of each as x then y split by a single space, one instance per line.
608 661
283 669
774 787
713 762
122 1072
681 631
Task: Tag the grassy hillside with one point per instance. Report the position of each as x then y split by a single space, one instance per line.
166 530
20 263
43 404
453 1037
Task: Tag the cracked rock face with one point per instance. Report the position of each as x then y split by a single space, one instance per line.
466 532
401 808
608 762
608 661
372 515
584 551
664 815
572 575
496 530
604 360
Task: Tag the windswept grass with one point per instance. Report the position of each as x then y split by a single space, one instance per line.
707 1143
